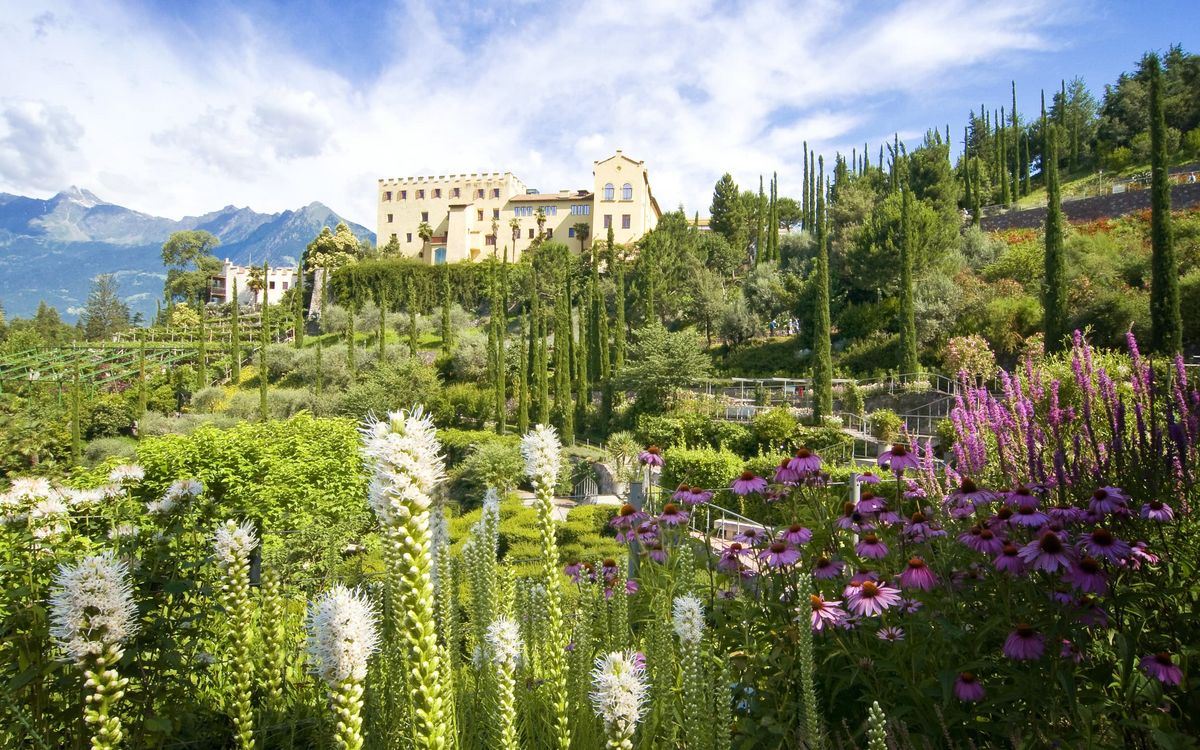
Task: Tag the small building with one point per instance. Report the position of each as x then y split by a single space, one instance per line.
478 215
278 281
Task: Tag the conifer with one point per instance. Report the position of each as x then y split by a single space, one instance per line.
564 407
523 378
298 322
618 269
908 320
822 371
1054 285
1166 325
804 198
447 326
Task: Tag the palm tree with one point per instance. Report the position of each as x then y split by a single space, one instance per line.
495 236
425 232
583 230
541 222
258 278
515 225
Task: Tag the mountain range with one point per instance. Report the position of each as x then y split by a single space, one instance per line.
51 249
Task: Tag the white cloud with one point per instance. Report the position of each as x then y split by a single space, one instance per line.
156 119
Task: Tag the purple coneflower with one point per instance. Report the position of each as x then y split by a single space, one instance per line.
983 541
682 494
868 477
1087 575
917 576
910 606
825 613
1009 560
868 502
627 517
1070 651
1161 667
1022 497
780 554
969 492
1103 543
917 527
572 570
967 688
913 491
656 552
751 536
850 518
1029 515
1159 511
891 634
1090 612
870 546
631 586
672 515
827 568
898 458
730 561
784 474
1024 644
1064 514
1003 517
1139 554
608 568
1047 553
699 496
748 482
647 532
870 598
652 457
1108 500
864 575
796 534
805 462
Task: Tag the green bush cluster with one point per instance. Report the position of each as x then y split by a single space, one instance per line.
703 467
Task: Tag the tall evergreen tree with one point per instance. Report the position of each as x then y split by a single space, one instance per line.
264 339
298 321
1054 285
583 386
727 218
541 368
773 218
761 250
411 304
382 343
617 264
105 313
202 349
351 336
822 370
497 328
804 198
564 407
523 378
235 336
1166 325
908 318
447 325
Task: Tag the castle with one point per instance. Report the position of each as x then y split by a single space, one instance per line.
481 215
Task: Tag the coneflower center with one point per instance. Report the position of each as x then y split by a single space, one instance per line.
1050 543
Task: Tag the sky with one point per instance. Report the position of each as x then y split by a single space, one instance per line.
179 108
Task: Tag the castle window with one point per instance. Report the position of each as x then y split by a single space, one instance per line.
625 221
479 193
479 215
408 236
424 216
549 233
456 192
608 191
490 240
495 192
389 218
403 195
495 213
270 284
608 221
581 210
627 192
437 192
531 233
420 194
285 286
550 210
387 195
570 231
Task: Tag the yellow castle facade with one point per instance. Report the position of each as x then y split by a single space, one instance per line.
481 215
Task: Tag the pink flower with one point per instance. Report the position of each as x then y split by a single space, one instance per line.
827 568
698 496
1047 553
1157 511
796 534
672 515
751 536
784 474
1087 576
917 576
1162 668
1102 543
683 494
805 462
1021 497
1009 560
825 613
891 634
898 458
780 554
967 688
870 598
1024 644
871 547
627 517
983 541
1108 500
868 477
652 457
747 483
1029 515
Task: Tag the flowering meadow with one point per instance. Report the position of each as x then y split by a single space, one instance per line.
1032 584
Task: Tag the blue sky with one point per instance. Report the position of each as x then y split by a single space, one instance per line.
178 108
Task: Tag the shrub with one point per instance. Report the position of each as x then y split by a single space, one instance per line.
667 431
885 424
207 400
402 385
874 355
281 403
154 424
464 404
282 360
721 434
773 428
106 415
458 444
102 449
703 467
496 464
852 399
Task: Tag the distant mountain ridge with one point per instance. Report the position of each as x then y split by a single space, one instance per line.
51 249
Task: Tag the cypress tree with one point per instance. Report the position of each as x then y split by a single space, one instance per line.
298 323
966 168
202 350
1166 325
320 384
412 318
264 338
773 217
804 198
976 209
350 337
761 250
583 386
564 408
600 320
383 304
618 267
142 396
447 328
496 331
822 370
908 318
523 379
1054 285
541 372
651 282
76 415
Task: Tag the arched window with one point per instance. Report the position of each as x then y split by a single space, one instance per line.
608 192
627 192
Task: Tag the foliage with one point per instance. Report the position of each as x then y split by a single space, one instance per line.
885 424
104 314
703 467
660 363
